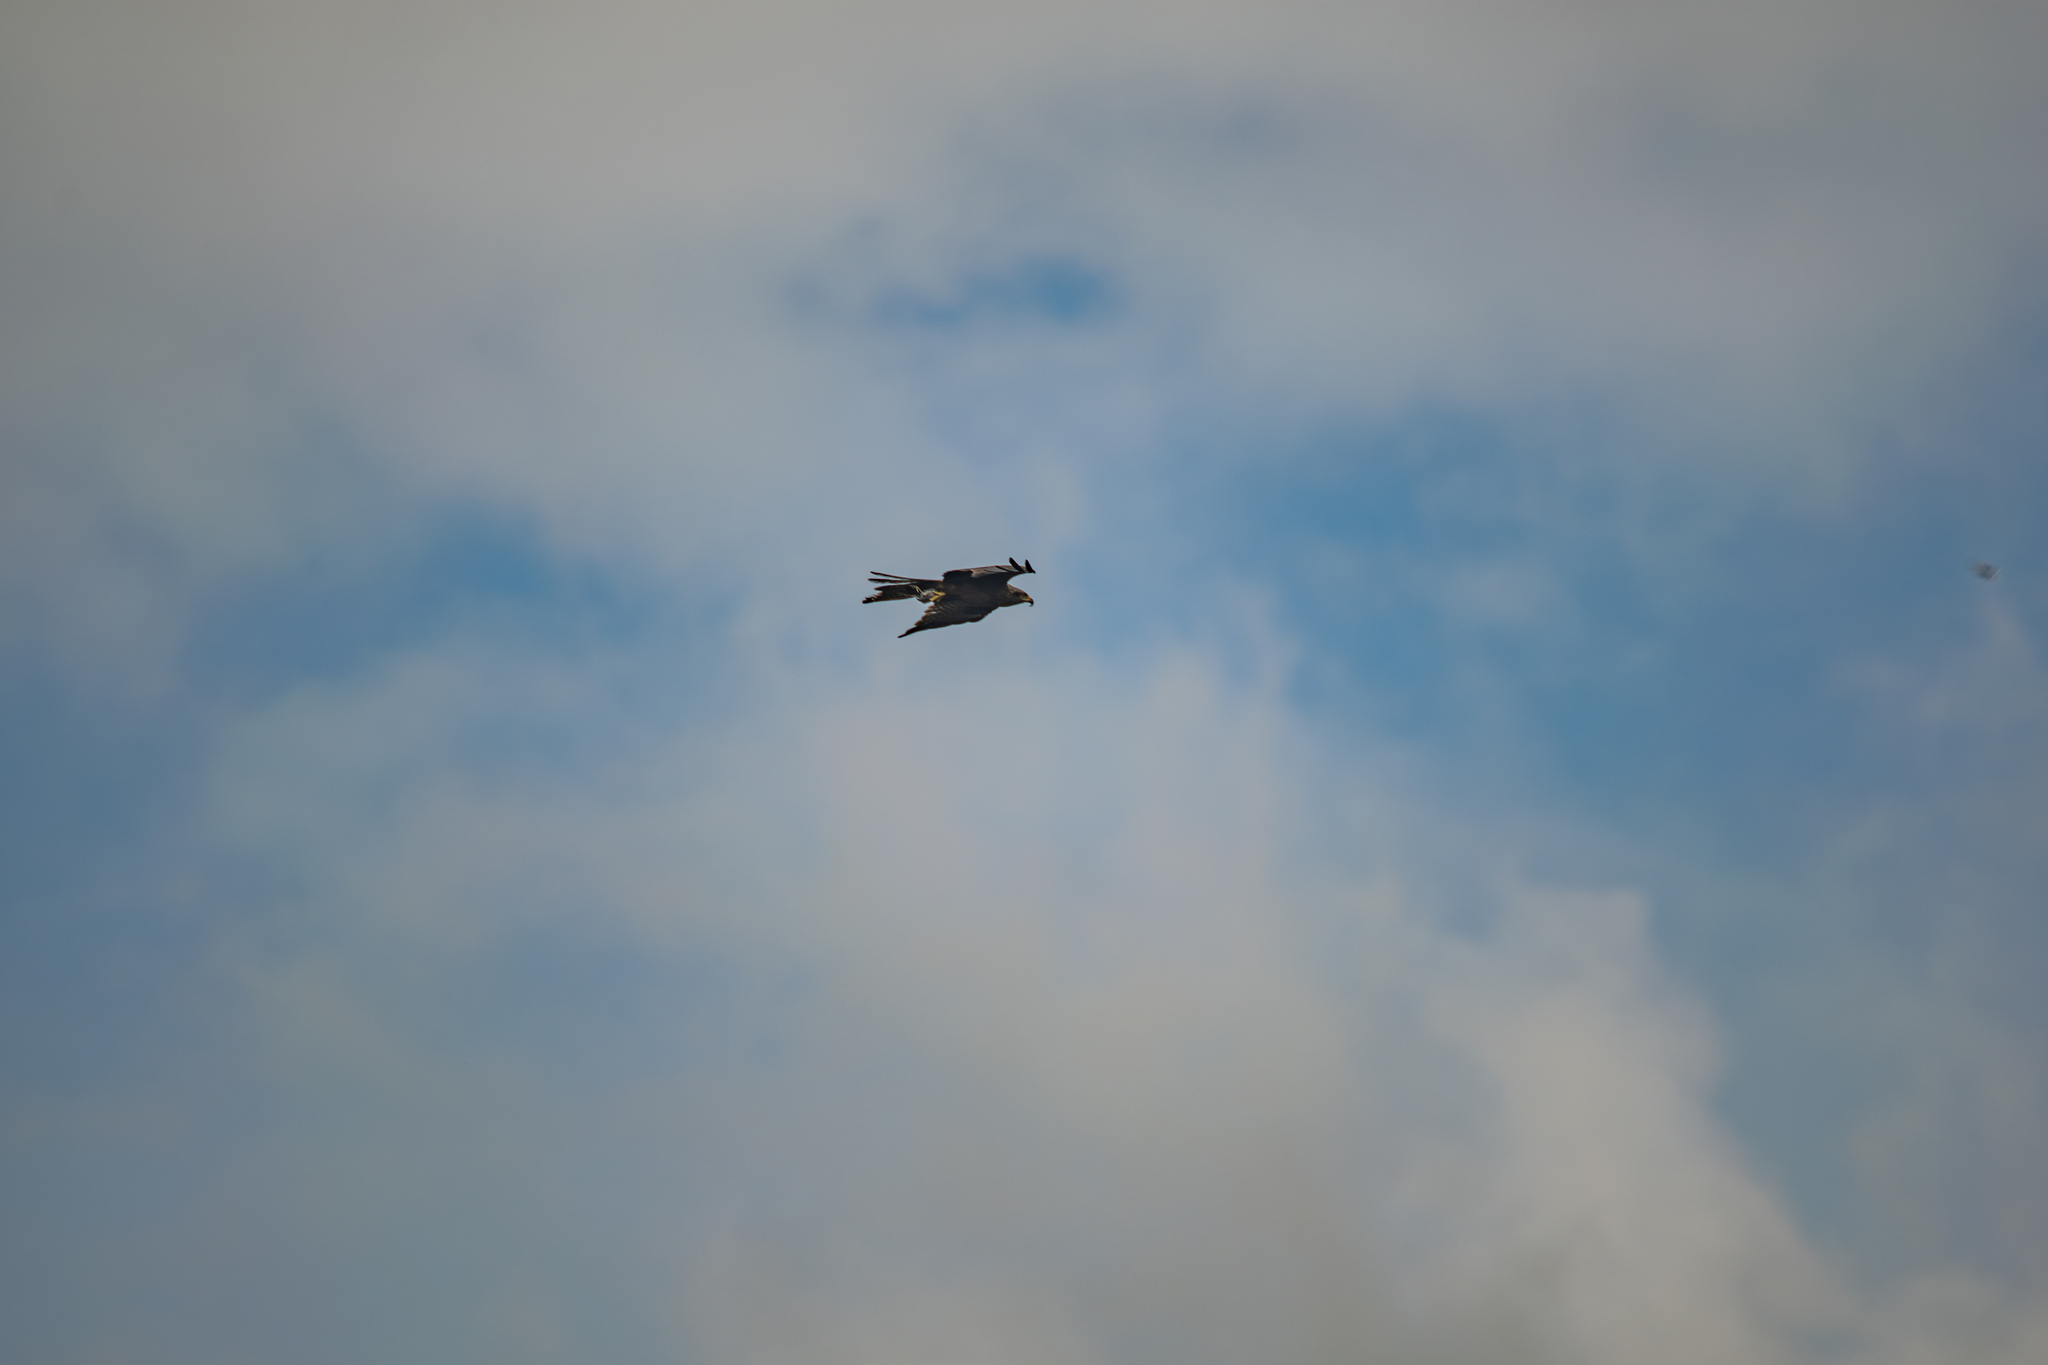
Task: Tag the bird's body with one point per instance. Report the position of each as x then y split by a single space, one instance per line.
956 597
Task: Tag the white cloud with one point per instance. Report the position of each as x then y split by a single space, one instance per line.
1086 1056
1067 1037
540 252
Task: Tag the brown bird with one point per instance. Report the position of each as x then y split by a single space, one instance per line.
955 597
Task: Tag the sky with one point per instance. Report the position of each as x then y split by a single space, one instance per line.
1517 839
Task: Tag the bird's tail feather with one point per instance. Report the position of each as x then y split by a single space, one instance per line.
892 592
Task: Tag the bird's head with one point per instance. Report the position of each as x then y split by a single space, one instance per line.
1018 594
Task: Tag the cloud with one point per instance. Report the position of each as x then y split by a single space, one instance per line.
497 895
1089 1061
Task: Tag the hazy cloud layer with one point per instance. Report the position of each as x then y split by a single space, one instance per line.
1511 834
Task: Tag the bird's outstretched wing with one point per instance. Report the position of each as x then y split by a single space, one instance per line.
951 609
1000 573
894 587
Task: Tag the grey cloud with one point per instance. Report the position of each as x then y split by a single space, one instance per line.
1154 1091
1059 1039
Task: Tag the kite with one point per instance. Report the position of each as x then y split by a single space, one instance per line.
955 597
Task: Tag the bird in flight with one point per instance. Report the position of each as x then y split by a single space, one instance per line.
1987 572
955 597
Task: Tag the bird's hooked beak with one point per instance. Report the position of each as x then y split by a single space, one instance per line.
1027 599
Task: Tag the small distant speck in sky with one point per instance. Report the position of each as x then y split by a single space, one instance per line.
1987 572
